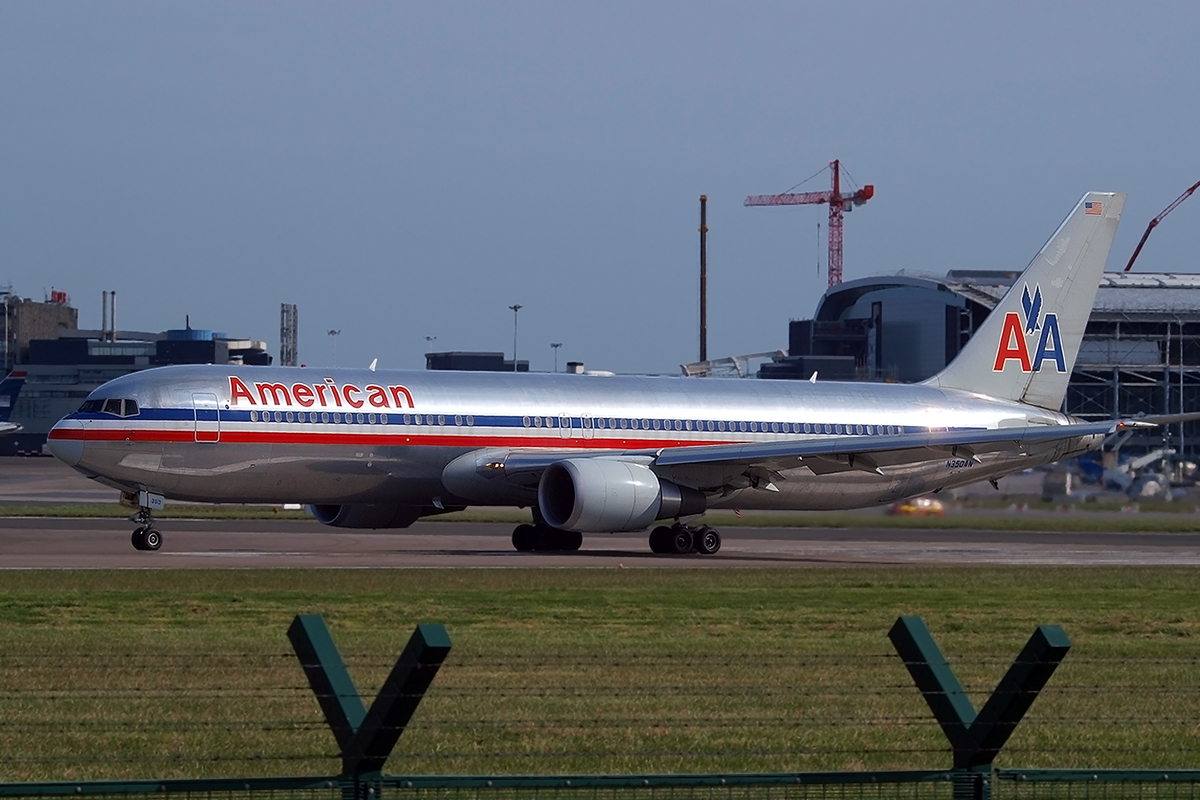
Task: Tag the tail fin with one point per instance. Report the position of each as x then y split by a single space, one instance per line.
10 387
1026 348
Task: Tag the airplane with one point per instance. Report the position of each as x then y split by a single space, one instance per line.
599 454
10 388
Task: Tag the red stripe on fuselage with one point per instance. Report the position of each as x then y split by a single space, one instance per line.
394 439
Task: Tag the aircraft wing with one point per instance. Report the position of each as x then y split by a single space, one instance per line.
875 453
839 453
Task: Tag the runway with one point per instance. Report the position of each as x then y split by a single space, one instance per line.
40 543
33 543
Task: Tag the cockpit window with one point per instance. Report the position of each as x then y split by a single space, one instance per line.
116 406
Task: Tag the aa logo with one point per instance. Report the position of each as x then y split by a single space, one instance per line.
1015 337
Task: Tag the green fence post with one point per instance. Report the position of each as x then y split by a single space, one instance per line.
327 675
398 698
366 737
977 739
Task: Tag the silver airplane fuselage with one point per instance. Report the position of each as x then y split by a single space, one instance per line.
231 434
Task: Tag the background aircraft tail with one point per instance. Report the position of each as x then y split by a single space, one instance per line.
10 387
1026 348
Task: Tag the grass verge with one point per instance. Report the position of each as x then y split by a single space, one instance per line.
188 673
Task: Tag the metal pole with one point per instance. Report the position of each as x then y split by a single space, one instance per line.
334 335
703 277
515 308
556 345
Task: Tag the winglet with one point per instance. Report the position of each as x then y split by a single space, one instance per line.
1026 348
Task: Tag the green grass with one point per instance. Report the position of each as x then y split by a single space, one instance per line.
189 673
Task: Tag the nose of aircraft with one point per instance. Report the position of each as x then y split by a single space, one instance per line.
65 441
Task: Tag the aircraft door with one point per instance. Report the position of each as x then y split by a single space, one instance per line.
586 423
564 426
208 421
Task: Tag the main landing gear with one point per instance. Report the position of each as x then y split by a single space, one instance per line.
681 539
145 535
541 536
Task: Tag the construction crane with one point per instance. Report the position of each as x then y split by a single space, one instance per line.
1154 222
838 204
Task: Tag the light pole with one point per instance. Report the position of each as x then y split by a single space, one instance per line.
556 345
515 308
334 335
429 343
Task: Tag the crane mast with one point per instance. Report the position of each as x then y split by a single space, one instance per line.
1154 222
839 204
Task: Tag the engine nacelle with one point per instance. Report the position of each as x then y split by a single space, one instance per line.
366 515
593 495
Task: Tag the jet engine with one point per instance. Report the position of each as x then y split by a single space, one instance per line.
608 495
366 515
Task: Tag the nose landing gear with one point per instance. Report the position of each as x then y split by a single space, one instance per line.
145 535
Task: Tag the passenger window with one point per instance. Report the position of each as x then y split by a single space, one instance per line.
537 422
360 419
254 416
470 420
324 416
458 419
441 419
525 421
289 416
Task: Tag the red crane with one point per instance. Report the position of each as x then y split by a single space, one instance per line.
838 204
1154 222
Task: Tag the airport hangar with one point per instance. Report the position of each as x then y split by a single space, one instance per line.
1140 353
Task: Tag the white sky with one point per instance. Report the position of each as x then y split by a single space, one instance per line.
403 170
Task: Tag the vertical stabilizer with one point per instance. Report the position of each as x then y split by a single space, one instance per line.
1026 348
10 387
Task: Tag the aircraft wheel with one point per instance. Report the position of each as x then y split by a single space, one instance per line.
546 538
570 540
708 541
681 540
152 539
660 539
138 539
523 538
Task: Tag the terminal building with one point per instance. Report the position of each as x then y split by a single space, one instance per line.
65 364
1140 353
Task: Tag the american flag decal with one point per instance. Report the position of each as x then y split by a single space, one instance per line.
1093 208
